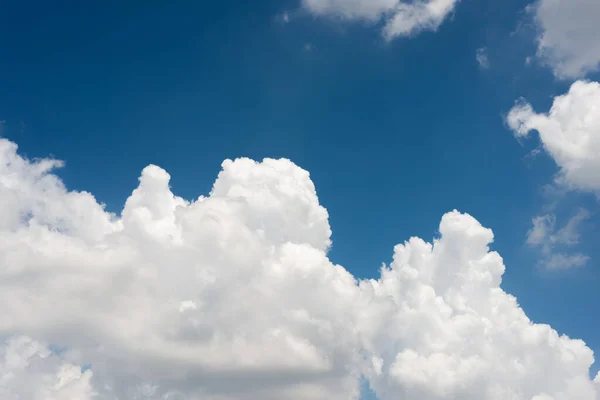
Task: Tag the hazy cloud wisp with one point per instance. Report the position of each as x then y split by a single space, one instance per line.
545 236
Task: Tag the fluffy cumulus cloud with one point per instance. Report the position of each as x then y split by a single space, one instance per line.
232 296
398 17
444 329
569 132
568 35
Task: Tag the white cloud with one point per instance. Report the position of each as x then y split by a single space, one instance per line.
569 132
120 291
399 17
543 231
29 370
445 330
565 261
568 35
544 235
232 296
482 58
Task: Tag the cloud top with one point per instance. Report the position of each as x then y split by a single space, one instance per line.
232 296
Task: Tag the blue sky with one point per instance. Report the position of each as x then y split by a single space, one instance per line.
394 133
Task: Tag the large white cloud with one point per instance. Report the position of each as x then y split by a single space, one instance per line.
232 292
569 132
568 35
447 331
232 296
399 17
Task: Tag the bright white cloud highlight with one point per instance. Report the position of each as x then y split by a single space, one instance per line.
569 132
399 17
232 296
449 332
568 35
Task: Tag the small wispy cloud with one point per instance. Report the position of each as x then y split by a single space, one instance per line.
545 236
566 261
283 18
482 57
